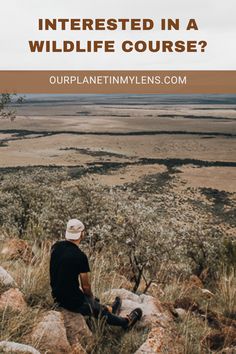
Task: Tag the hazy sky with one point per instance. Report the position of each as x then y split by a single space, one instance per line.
215 18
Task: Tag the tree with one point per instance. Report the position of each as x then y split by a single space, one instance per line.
5 101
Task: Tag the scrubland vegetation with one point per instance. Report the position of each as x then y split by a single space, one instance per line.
149 235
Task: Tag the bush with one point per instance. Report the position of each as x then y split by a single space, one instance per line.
147 233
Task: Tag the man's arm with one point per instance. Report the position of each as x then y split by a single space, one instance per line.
85 284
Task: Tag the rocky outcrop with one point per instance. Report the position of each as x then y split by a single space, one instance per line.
5 278
17 348
13 299
17 249
216 340
158 341
49 335
153 312
182 314
155 317
77 330
214 319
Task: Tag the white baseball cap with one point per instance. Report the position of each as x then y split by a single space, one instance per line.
74 229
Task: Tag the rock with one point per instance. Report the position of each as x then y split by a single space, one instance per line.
153 312
17 348
155 317
216 340
218 321
13 299
158 341
214 319
230 336
77 330
169 306
16 248
5 278
181 313
50 334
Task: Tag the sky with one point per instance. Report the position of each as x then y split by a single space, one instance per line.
215 18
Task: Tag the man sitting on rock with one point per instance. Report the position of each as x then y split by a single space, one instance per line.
68 264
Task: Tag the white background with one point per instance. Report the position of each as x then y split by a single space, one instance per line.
215 18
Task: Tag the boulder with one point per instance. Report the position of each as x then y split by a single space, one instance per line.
158 341
214 340
170 308
17 348
155 317
182 314
77 330
17 249
153 312
13 299
5 278
214 319
49 335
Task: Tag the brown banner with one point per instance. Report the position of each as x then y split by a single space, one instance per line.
137 82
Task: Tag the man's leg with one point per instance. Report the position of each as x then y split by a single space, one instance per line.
94 308
111 318
114 320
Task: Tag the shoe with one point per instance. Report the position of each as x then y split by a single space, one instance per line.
116 306
133 317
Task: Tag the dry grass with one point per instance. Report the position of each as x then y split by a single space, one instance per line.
115 340
226 293
33 278
193 330
174 290
16 326
33 281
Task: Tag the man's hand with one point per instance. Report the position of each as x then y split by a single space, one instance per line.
85 284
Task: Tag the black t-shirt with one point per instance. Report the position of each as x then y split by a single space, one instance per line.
66 263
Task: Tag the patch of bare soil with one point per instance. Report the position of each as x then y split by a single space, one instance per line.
221 178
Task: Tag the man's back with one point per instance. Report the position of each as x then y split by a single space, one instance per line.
66 263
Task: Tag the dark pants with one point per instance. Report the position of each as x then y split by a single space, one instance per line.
92 307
